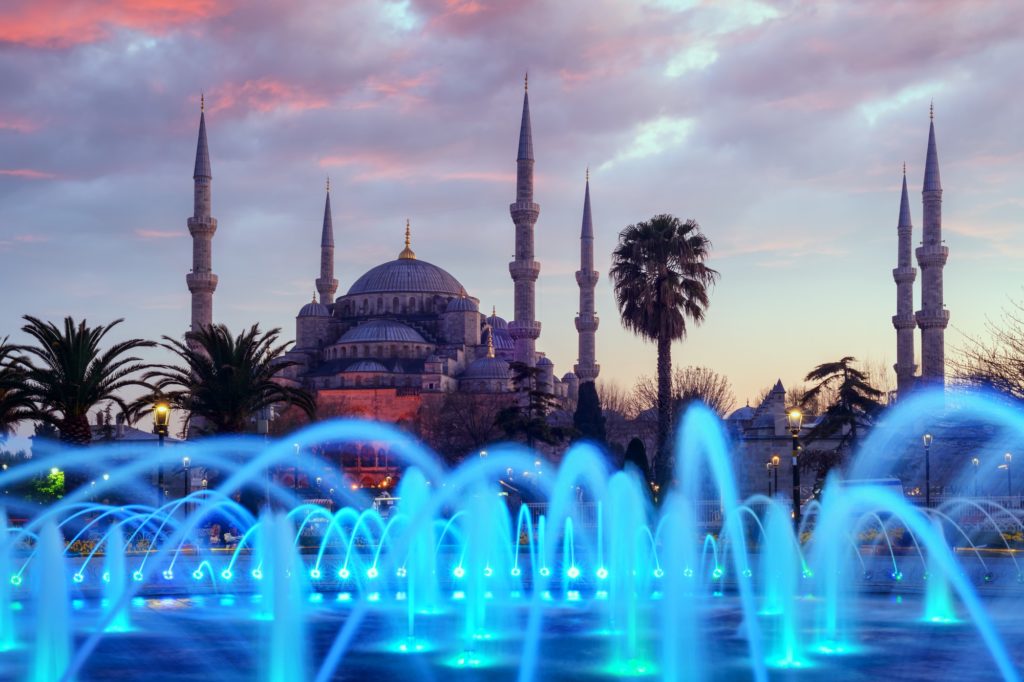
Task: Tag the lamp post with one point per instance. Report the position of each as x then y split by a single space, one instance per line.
1008 458
186 464
161 427
795 420
776 461
927 440
295 478
768 468
976 462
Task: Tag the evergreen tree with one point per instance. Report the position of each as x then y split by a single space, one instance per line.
588 418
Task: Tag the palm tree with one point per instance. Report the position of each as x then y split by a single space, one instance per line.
66 373
224 380
15 406
661 281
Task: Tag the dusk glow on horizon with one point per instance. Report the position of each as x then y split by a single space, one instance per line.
781 127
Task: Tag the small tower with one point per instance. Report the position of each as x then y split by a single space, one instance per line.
326 285
524 327
201 281
586 368
904 274
932 318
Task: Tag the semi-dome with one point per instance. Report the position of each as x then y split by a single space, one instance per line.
382 330
314 309
487 368
407 275
366 366
545 362
462 304
502 339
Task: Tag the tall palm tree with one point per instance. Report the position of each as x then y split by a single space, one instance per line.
661 282
66 373
15 406
224 380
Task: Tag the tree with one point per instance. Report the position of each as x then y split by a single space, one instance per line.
588 418
615 398
528 417
688 384
225 380
15 405
854 407
460 423
636 454
66 373
996 363
661 281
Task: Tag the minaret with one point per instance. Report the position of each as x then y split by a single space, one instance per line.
904 274
586 368
201 280
932 318
524 328
326 285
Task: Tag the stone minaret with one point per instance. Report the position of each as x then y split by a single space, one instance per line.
932 318
586 368
903 320
326 285
524 328
201 281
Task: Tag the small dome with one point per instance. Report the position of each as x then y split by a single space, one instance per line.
569 376
366 366
487 368
314 309
545 362
462 304
497 322
743 413
382 330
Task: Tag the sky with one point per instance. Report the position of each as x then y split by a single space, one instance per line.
780 126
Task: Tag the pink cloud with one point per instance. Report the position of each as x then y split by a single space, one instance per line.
143 233
61 24
264 94
19 125
31 238
27 173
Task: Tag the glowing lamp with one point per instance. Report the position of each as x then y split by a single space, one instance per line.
776 460
927 440
161 419
795 421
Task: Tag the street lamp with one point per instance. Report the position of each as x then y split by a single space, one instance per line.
186 463
976 462
795 420
1008 458
161 427
768 467
295 478
927 440
776 461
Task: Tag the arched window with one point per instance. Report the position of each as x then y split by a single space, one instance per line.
366 306
412 304
380 304
395 305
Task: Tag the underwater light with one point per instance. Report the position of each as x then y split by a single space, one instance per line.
488 572
459 572
988 577
602 573
688 572
226 574
137 576
168 574
515 572
747 573
78 577
344 573
371 572
808 573
257 574
15 580
197 574
315 574
401 572
106 576
896 575
717 573
545 571
658 573
573 572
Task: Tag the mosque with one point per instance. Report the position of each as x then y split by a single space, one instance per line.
407 329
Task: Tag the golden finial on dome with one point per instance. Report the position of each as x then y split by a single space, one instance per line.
494 311
490 345
314 297
407 252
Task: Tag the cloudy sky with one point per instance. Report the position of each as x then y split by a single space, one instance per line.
780 126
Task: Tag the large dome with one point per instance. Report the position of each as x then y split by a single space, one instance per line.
382 330
407 275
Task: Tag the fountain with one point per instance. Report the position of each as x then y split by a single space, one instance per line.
594 582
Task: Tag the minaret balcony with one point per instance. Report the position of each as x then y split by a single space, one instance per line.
524 211
524 269
932 319
904 321
524 329
202 227
932 255
904 275
586 372
590 324
587 279
199 282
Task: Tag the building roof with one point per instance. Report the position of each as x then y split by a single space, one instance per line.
487 368
746 412
366 366
462 304
407 275
382 330
314 309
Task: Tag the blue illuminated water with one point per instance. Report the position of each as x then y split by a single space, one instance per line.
596 583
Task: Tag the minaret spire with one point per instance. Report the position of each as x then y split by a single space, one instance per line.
326 284
524 327
201 281
904 275
586 277
933 317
